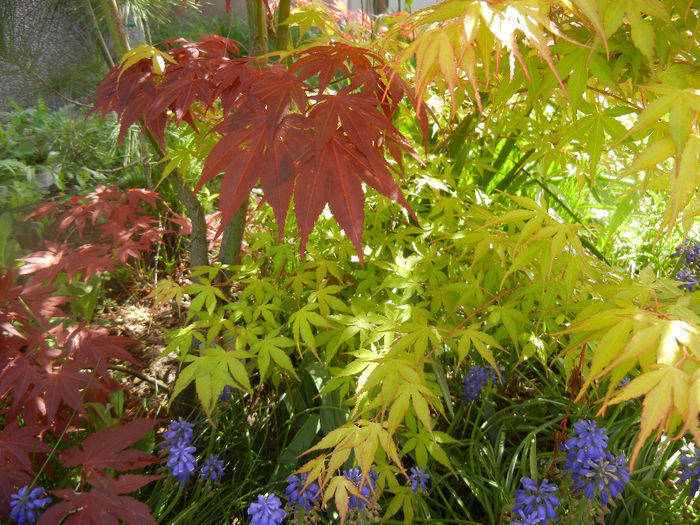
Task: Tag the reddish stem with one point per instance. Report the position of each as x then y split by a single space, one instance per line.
574 393
494 299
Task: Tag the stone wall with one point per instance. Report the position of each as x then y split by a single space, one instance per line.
392 6
47 46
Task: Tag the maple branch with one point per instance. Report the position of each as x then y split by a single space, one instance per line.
461 323
199 247
257 30
283 28
616 97
21 65
115 23
232 238
155 381
115 170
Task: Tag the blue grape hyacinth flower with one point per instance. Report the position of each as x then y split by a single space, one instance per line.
536 502
477 378
418 478
688 255
226 393
688 278
181 461
366 488
690 470
267 511
300 496
177 431
688 252
212 468
522 518
624 382
26 505
589 442
606 474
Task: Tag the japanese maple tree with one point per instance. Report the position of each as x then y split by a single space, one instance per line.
52 365
312 133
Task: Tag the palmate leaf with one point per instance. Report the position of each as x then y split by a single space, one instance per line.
108 449
269 132
211 371
623 338
468 36
105 504
165 291
64 387
94 346
19 445
333 175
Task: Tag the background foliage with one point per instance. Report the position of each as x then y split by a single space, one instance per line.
545 159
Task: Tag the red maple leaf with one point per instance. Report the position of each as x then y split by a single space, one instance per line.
41 302
270 131
10 478
18 449
57 258
107 449
95 347
17 376
333 175
64 386
125 230
103 505
18 445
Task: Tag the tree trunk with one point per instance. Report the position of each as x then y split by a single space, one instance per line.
232 240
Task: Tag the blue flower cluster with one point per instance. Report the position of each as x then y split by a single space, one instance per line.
212 468
418 478
535 503
225 394
181 460
690 470
302 496
26 505
688 255
366 486
299 495
477 378
592 466
267 511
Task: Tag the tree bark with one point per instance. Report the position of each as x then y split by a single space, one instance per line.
282 28
232 239
257 28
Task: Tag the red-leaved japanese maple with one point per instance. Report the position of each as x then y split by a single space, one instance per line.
313 132
51 366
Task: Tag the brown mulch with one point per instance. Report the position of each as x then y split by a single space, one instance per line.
140 319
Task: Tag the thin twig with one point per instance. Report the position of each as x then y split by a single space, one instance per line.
565 420
29 70
157 382
115 170
494 299
103 44
616 97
